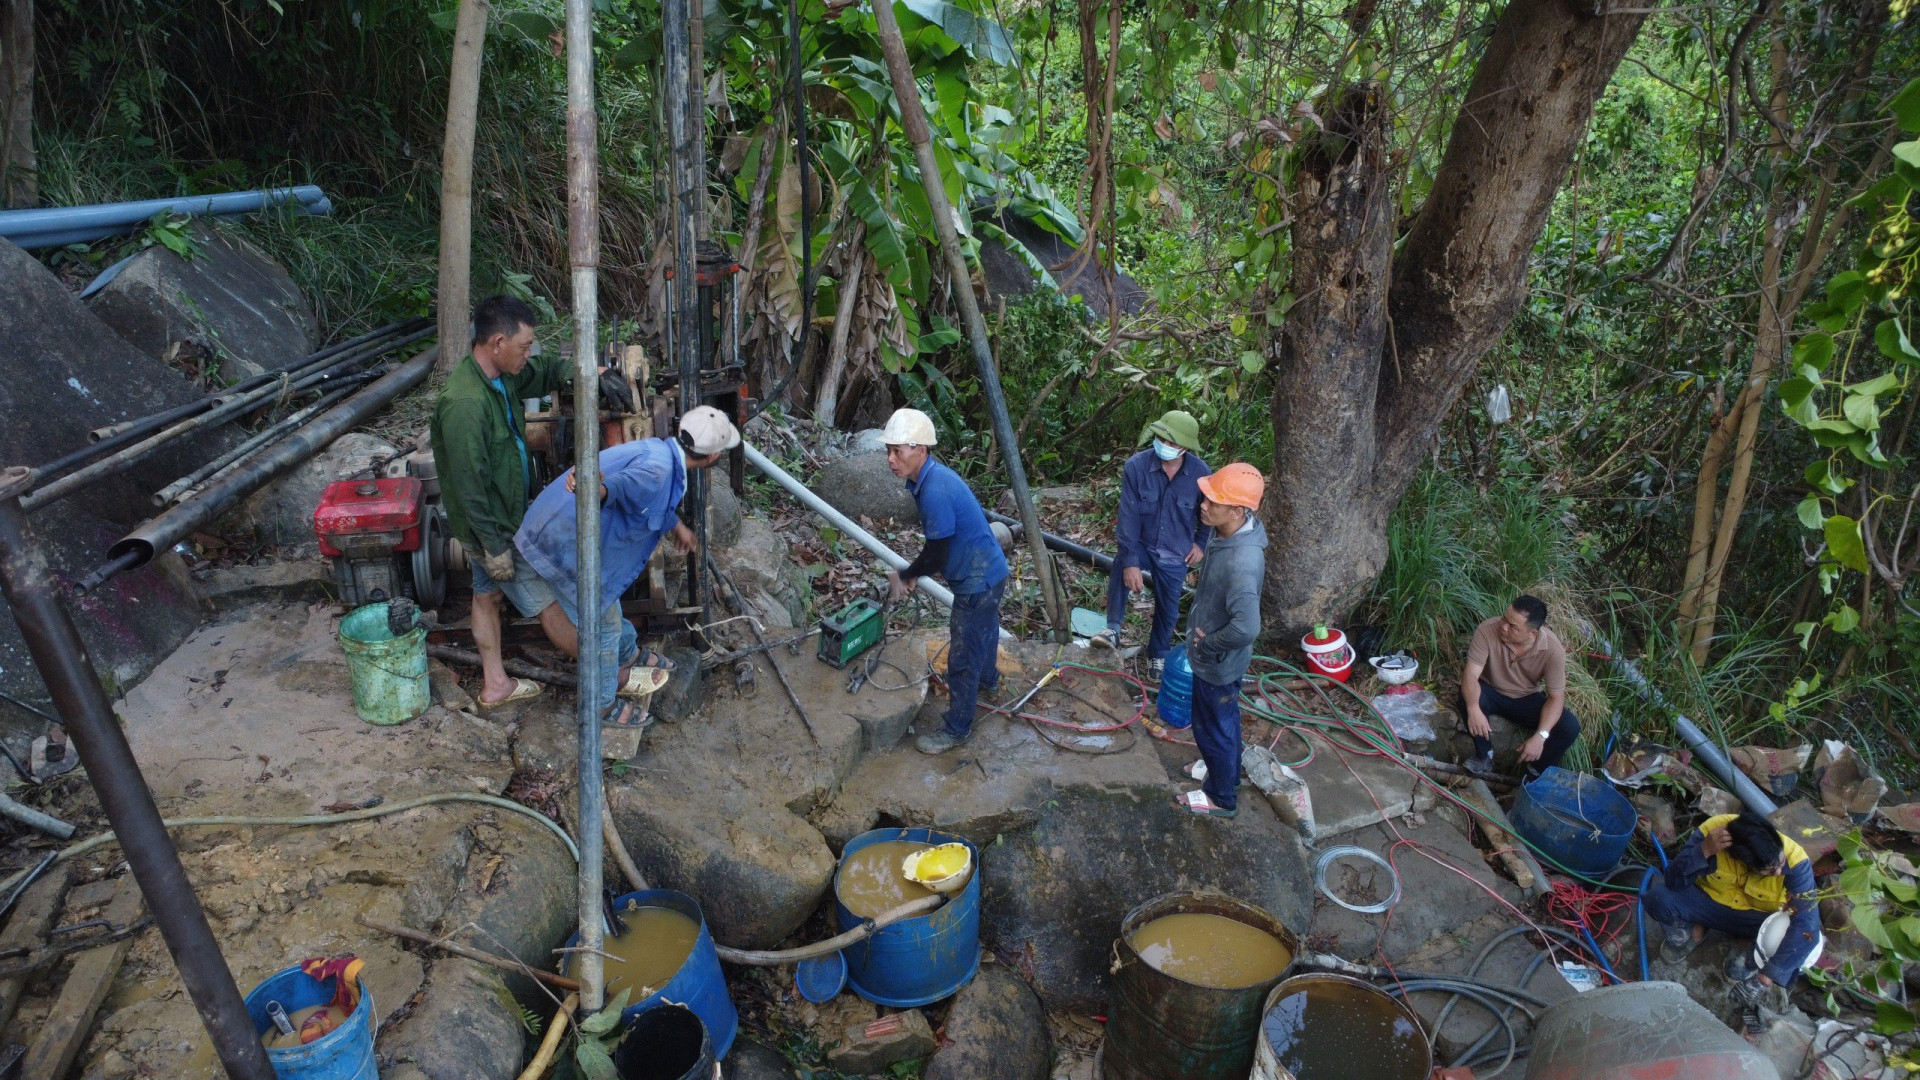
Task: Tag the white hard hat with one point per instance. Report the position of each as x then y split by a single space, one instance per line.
706 430
909 427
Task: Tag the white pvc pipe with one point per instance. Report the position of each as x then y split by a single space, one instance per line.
840 521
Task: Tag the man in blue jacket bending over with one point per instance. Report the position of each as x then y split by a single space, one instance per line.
641 485
961 548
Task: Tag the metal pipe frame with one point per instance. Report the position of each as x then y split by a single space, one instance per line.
1061 544
32 592
583 249
185 487
162 532
686 186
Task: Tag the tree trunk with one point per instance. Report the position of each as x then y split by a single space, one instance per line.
456 183
19 174
1460 275
1706 496
827 403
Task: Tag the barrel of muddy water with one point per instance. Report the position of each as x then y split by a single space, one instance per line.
1637 1031
697 984
667 1043
1160 1027
1576 820
920 960
345 1053
389 673
1322 1026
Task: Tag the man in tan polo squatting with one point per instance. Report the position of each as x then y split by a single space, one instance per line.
1517 670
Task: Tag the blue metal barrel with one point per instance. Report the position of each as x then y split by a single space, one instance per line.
1576 820
345 1053
920 960
698 984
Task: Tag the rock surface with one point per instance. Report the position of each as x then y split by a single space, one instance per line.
1009 275
883 1043
282 512
756 562
861 485
996 1030
82 376
230 303
252 717
749 1060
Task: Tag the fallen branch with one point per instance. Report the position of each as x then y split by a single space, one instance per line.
618 846
551 1044
512 667
469 952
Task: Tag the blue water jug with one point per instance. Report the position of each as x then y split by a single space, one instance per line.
1175 702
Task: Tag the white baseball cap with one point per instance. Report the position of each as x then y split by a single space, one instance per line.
909 427
706 430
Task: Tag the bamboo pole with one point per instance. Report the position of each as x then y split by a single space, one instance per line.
583 250
456 182
913 120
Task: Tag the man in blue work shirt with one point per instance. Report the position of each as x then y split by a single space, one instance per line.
641 485
961 548
1159 530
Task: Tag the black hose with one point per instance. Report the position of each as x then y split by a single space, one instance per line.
1473 994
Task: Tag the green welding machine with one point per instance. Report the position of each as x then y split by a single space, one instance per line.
851 631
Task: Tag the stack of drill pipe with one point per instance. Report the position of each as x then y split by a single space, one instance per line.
120 447
138 548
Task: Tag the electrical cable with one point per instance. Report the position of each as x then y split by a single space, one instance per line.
350 816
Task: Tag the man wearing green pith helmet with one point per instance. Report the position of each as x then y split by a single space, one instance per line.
1159 529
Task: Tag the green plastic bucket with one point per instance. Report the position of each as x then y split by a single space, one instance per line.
389 673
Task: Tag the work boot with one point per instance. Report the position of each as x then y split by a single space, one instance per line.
1678 942
1109 639
938 742
991 695
1156 667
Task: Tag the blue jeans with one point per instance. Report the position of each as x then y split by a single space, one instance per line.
619 644
1168 579
973 654
1216 730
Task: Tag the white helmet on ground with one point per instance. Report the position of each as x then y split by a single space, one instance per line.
909 427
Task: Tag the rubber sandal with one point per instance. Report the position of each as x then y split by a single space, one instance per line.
1195 770
523 690
1196 802
642 682
625 714
654 658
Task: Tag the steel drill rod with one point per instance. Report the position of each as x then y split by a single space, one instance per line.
184 487
27 815
162 532
235 405
33 594
913 120
583 254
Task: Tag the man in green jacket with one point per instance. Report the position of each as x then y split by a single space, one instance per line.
480 452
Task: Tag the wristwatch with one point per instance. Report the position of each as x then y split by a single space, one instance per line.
1543 733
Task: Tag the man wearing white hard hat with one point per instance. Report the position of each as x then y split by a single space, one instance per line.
641 485
961 548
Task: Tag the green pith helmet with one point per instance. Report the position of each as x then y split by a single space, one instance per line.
1176 427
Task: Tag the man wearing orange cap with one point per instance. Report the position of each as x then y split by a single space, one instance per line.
1223 622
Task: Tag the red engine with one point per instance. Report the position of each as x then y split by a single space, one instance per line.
385 540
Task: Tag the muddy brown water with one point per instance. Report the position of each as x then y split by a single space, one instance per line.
658 940
1210 950
273 1040
870 881
1322 1029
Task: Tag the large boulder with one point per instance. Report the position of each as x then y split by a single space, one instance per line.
759 869
861 485
756 562
282 512
996 1030
65 373
230 305
1010 274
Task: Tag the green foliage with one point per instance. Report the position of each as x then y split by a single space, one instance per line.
595 1038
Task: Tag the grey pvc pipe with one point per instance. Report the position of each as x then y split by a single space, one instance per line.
841 521
1748 792
54 226
27 815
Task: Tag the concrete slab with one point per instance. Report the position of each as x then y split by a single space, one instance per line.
1352 791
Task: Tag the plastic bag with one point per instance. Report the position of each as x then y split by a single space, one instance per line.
1411 716
1499 405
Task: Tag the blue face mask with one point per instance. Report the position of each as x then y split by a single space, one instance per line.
1165 451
